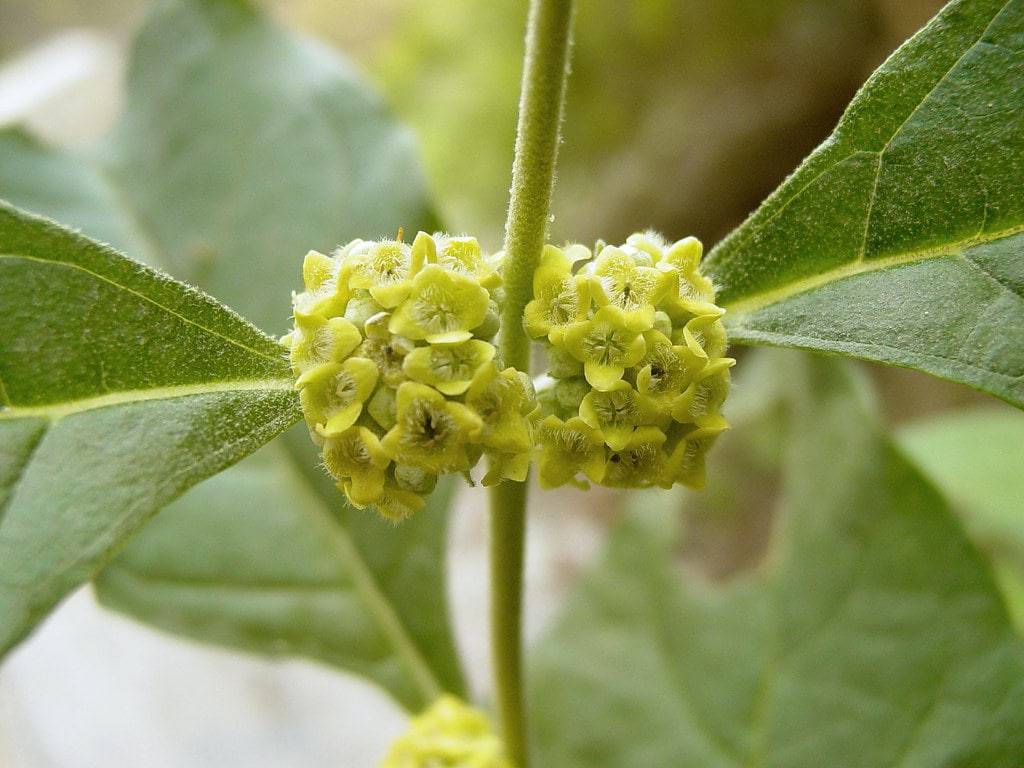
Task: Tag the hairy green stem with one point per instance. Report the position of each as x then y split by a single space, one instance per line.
533 173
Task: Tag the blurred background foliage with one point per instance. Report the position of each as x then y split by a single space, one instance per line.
683 114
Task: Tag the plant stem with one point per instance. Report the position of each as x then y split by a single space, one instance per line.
545 72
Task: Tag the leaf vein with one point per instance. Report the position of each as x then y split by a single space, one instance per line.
58 410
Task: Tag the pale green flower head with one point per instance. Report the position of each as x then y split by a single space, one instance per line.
442 308
449 734
605 345
396 371
431 432
637 356
449 368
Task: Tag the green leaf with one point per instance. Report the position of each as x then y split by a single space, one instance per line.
264 565
900 238
242 147
119 389
975 457
67 188
873 635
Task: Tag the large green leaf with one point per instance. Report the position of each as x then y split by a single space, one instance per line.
119 389
975 456
70 189
243 146
873 636
900 239
262 565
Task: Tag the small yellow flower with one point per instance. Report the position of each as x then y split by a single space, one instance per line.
442 308
686 463
326 283
355 458
569 447
448 368
616 412
449 734
317 340
707 393
504 402
639 463
333 394
560 298
385 269
605 345
464 256
430 431
630 289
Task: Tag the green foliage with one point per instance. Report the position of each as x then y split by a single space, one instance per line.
241 147
873 635
899 239
119 389
975 457
244 145
258 560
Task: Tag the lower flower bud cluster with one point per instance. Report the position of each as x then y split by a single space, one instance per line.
450 734
395 366
636 369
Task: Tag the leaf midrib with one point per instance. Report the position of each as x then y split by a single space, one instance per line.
754 302
58 410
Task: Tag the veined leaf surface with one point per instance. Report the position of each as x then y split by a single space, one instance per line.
901 239
872 635
119 389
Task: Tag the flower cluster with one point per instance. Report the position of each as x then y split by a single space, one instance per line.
449 734
396 371
636 369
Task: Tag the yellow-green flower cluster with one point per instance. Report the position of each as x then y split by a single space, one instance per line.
450 734
396 371
636 369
